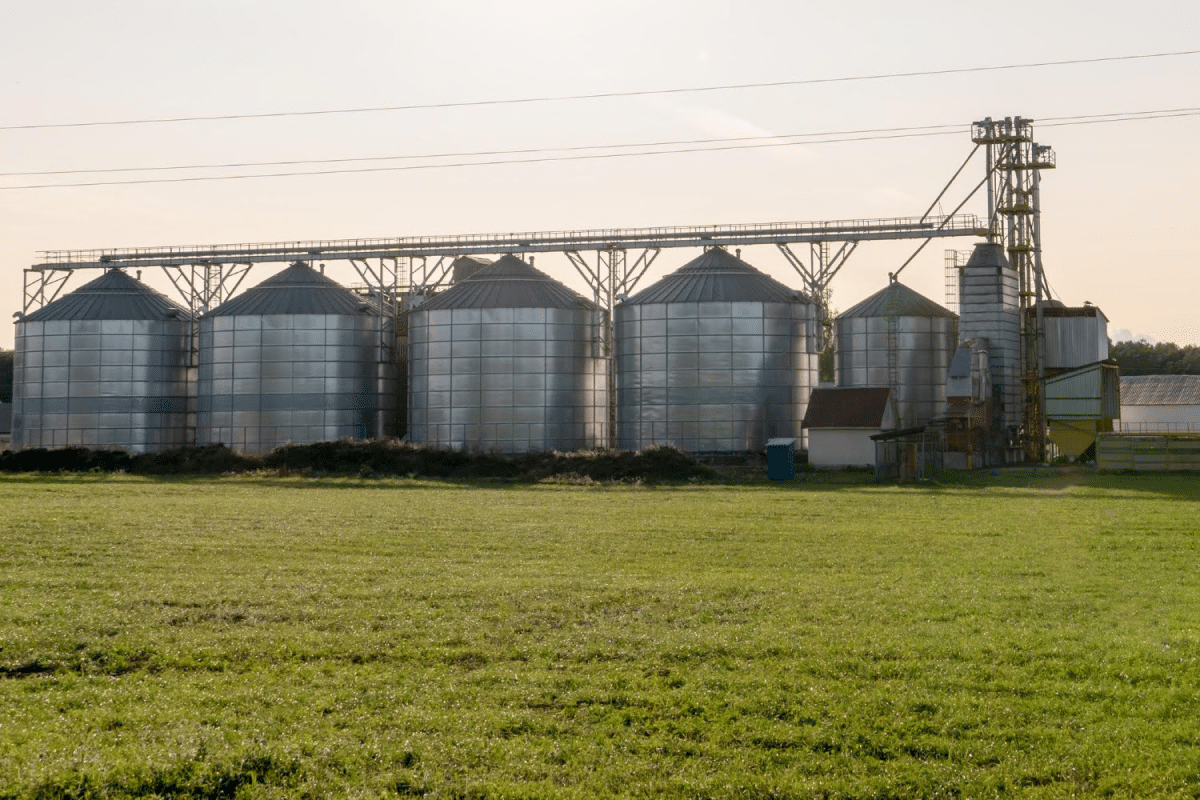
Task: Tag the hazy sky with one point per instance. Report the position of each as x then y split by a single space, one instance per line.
1118 213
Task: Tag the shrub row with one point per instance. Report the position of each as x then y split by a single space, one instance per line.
368 457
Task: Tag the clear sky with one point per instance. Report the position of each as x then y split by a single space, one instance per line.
1118 213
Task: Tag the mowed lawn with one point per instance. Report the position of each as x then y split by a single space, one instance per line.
262 636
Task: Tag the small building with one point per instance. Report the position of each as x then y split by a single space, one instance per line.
841 422
1081 403
910 454
1160 404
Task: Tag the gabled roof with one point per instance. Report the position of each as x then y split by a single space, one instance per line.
507 282
1160 390
897 300
114 295
716 276
299 289
847 408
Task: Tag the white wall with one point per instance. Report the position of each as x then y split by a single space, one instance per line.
1149 419
841 447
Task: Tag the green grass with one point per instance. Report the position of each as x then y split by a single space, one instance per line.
274 637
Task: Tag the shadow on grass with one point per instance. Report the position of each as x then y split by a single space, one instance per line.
1049 483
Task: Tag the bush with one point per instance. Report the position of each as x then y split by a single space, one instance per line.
66 459
348 457
209 459
397 458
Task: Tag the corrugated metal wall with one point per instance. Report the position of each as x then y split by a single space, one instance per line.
989 307
1073 341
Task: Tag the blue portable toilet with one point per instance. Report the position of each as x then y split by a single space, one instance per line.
781 459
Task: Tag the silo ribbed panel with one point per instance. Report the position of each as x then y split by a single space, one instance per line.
105 366
715 357
509 360
898 333
297 359
989 308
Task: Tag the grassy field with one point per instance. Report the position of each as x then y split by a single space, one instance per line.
262 636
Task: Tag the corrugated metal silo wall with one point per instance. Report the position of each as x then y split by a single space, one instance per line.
102 384
270 380
924 348
1074 340
508 380
989 308
713 376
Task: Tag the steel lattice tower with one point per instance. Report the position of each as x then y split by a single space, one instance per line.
1014 165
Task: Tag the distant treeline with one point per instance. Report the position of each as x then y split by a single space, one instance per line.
6 376
1164 358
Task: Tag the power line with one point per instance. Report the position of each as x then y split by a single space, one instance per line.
754 145
480 153
496 162
599 95
1042 121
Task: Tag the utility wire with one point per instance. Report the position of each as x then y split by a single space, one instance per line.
451 165
1046 120
754 144
599 95
1043 121
481 153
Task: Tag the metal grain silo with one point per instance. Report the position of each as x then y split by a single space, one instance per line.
715 357
989 308
104 366
296 359
901 340
508 360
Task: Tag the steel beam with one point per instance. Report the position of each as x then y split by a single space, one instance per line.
490 244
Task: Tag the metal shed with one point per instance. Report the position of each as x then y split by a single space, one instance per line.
1160 404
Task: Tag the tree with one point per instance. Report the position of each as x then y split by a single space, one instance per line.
825 362
1163 358
6 376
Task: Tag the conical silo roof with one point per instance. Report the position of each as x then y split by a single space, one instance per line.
988 254
114 295
715 276
508 282
896 300
299 289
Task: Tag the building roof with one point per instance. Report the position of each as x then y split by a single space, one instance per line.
299 289
716 276
988 254
507 282
897 300
114 295
847 408
1160 390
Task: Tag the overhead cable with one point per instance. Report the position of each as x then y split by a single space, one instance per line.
495 162
755 143
1042 122
597 95
481 153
